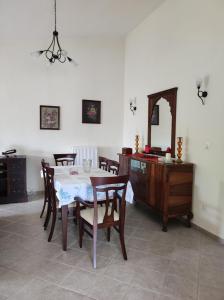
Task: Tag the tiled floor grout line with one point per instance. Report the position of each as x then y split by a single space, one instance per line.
199 263
20 289
179 240
50 283
76 291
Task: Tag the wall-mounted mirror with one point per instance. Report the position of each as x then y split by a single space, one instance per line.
162 121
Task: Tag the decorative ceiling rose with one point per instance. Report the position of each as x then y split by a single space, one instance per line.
54 52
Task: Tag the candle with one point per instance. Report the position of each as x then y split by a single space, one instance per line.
168 156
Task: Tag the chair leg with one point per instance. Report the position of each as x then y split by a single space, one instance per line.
64 223
43 209
54 215
108 234
81 232
48 215
94 245
121 229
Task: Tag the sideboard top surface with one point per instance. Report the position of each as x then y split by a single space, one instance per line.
156 161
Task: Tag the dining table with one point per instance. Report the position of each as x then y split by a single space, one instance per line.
73 183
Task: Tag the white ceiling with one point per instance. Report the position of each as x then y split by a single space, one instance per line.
34 18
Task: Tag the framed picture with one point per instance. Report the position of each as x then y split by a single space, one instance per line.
49 117
155 115
91 111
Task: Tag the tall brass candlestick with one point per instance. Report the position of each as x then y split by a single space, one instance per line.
179 149
136 143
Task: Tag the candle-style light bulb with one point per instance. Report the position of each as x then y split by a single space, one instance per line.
198 83
37 53
64 53
72 61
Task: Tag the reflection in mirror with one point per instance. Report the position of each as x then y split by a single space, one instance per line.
161 133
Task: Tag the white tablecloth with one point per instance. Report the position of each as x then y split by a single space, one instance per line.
70 186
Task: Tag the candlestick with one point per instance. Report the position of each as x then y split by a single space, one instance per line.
136 143
168 157
179 149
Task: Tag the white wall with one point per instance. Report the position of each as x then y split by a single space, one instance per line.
27 83
180 42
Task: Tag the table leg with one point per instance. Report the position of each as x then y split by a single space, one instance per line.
64 216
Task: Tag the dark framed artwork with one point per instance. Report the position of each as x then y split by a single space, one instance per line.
49 117
91 111
155 115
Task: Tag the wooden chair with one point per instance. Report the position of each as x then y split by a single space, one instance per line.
113 166
106 216
65 159
103 163
43 166
53 202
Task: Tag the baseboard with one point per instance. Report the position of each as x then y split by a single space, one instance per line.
32 196
212 235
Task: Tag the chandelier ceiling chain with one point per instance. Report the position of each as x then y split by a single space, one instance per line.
55 15
54 52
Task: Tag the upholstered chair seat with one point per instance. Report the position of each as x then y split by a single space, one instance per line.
88 214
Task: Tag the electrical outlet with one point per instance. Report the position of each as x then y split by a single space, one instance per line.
204 206
207 145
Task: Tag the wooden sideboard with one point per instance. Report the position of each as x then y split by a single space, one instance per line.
13 179
166 188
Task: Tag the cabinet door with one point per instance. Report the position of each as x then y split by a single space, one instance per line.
180 181
16 166
16 186
139 177
3 179
156 186
16 176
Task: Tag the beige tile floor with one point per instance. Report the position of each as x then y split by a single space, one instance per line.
181 264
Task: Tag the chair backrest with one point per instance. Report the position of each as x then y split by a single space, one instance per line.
65 159
50 186
44 165
114 188
103 163
113 166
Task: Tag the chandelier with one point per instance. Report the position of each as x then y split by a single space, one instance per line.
54 52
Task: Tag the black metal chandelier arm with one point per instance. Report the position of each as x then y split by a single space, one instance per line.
50 44
59 46
53 42
62 59
48 54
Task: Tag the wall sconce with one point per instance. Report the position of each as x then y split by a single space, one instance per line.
133 106
201 94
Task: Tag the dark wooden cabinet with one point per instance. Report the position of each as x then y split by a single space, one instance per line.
166 188
13 179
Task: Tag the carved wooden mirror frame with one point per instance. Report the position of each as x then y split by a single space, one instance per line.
170 96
